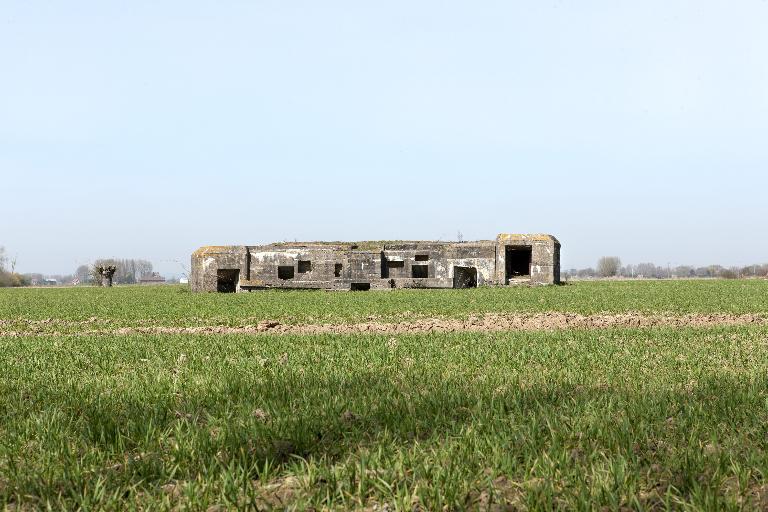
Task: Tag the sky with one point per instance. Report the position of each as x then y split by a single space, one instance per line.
147 129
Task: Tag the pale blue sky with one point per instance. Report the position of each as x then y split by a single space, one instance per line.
147 129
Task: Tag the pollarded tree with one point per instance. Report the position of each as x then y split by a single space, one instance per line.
106 272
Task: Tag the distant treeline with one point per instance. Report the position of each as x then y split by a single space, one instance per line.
610 266
8 275
129 271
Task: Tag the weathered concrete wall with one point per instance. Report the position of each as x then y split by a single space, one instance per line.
382 265
480 255
207 261
545 257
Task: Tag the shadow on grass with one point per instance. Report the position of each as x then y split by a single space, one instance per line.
686 436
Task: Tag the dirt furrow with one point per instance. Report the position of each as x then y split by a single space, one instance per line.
485 323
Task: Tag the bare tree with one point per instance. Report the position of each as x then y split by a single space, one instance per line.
106 272
83 273
96 277
10 277
608 266
647 270
129 271
143 268
184 267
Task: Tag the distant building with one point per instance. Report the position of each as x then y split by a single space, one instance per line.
183 280
153 278
50 281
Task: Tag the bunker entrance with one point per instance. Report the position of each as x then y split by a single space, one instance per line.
517 262
464 277
226 280
360 287
420 271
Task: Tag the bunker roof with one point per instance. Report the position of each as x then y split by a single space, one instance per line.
519 237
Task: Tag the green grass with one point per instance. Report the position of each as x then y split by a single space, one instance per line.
175 305
582 419
570 419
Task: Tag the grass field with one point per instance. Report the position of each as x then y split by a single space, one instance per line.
176 305
655 418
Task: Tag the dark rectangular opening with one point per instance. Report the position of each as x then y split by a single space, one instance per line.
305 266
226 280
464 277
420 271
285 272
337 270
422 257
517 261
360 287
392 268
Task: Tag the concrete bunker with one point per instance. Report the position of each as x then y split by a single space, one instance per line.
226 280
510 259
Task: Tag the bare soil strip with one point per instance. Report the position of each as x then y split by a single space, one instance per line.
491 322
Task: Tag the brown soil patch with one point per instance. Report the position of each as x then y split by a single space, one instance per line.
278 494
491 322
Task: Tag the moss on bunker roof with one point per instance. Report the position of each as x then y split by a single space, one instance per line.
214 249
522 237
364 245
